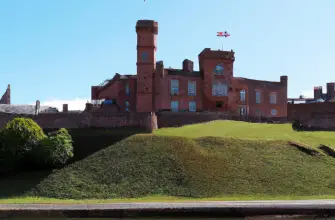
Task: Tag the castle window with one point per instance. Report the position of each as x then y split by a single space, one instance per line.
144 56
191 88
192 106
273 98
219 69
127 89
127 106
174 87
219 89
273 112
242 95
174 106
258 97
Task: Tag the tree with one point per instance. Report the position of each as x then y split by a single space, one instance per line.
54 150
18 138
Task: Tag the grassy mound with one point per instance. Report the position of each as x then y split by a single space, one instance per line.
251 131
145 165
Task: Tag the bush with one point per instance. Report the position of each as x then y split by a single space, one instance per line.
18 138
296 125
54 150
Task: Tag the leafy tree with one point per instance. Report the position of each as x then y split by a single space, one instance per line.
54 150
18 138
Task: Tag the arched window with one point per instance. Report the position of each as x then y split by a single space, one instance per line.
242 95
219 69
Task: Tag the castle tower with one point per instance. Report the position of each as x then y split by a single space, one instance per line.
217 69
147 31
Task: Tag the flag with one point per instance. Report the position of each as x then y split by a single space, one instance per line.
223 34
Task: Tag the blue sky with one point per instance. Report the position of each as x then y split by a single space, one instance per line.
54 50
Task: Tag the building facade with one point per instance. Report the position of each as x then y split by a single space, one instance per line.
213 88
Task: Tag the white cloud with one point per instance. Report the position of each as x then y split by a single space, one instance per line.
75 104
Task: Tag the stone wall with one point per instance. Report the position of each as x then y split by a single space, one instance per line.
314 116
322 121
306 111
86 119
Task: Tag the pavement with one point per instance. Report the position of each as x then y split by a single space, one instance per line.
175 209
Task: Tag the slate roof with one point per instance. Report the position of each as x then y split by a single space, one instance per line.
25 109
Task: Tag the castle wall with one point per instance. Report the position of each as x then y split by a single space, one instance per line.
146 121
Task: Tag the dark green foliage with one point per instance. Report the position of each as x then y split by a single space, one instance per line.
18 138
296 125
54 150
87 141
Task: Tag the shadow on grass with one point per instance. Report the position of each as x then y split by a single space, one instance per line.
19 184
87 141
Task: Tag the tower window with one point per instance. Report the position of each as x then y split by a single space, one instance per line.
219 69
144 56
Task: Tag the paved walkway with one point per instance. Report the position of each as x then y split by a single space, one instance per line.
303 204
209 208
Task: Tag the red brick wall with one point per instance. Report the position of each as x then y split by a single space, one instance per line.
305 111
316 115
175 119
183 98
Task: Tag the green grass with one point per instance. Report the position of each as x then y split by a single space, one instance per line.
244 130
222 160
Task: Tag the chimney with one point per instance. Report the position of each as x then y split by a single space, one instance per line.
37 107
283 79
65 108
330 91
317 92
187 65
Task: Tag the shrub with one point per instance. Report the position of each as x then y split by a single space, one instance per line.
54 150
296 125
19 137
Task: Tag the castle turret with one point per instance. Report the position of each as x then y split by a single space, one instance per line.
147 31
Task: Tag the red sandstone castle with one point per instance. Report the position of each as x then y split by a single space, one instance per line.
212 88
